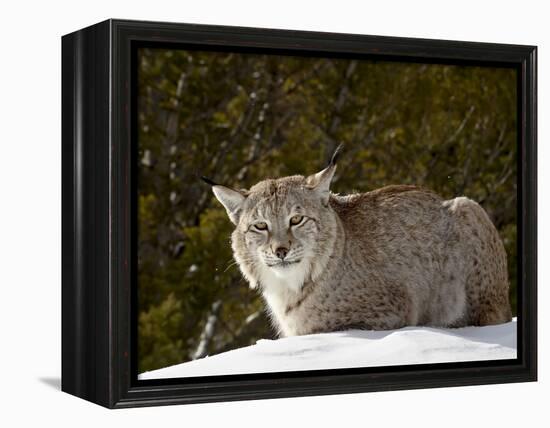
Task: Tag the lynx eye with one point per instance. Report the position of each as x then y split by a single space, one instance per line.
297 219
261 225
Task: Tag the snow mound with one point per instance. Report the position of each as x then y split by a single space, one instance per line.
355 348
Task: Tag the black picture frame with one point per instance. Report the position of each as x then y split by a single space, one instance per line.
99 230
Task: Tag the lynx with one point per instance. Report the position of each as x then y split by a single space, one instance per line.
393 257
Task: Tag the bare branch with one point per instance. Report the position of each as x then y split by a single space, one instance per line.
208 331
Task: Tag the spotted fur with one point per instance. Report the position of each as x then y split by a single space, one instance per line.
394 257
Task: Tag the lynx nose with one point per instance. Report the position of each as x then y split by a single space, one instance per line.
281 252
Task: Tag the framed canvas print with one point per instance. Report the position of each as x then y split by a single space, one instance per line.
252 213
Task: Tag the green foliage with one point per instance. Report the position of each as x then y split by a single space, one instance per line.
240 118
159 342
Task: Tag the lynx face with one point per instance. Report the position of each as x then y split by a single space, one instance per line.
280 234
280 226
282 229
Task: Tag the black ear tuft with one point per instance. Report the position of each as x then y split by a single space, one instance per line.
208 181
336 154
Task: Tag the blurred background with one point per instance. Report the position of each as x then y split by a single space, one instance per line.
239 118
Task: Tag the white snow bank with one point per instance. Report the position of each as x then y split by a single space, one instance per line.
355 348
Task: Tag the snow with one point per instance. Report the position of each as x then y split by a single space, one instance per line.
355 348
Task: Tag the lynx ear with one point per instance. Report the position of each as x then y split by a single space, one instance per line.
320 182
231 199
